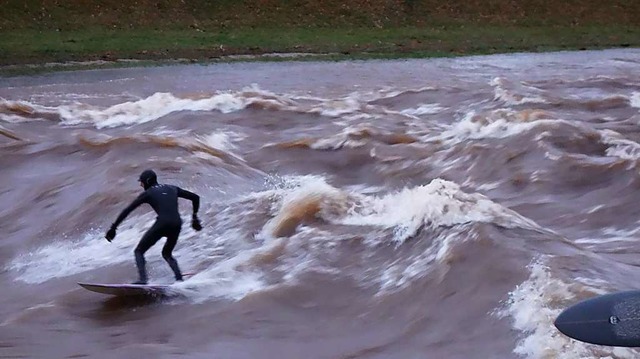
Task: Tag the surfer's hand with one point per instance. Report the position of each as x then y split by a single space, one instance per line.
111 234
195 223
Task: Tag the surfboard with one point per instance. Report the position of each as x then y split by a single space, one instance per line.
610 319
130 289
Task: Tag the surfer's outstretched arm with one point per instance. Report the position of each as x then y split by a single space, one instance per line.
194 198
195 201
125 212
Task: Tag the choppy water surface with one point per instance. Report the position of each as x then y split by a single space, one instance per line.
443 208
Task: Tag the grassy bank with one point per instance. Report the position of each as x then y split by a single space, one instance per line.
38 32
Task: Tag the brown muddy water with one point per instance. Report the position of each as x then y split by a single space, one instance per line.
434 208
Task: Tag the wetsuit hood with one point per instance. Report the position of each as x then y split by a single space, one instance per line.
148 179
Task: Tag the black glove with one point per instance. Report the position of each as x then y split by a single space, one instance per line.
195 223
111 234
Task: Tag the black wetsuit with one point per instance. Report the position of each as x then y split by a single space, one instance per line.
163 199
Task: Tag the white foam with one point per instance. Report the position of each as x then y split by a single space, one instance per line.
401 273
635 100
401 212
354 106
610 235
223 141
226 278
296 189
499 124
70 256
621 233
440 203
64 258
510 98
147 109
10 111
533 307
15 118
619 146
219 274
337 108
595 209
426 109
219 140
347 138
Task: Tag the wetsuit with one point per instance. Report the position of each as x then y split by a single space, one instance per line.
163 199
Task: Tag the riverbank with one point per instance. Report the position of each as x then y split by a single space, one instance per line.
32 51
38 36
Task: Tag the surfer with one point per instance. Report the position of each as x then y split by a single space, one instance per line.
163 198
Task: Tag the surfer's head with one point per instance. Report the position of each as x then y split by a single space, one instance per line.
148 178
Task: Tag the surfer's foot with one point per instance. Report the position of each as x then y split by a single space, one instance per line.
141 282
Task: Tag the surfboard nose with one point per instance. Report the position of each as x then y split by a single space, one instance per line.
610 319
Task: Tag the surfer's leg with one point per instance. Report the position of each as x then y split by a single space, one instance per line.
172 239
149 239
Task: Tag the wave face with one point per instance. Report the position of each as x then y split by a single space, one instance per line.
445 208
